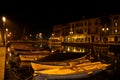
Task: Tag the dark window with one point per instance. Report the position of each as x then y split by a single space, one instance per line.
89 24
96 23
116 17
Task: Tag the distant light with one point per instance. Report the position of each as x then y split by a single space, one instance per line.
107 29
7 62
53 34
103 29
4 19
10 33
8 49
116 24
116 31
10 54
68 49
74 50
40 34
30 35
71 33
52 51
6 29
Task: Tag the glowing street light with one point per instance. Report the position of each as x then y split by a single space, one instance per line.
4 31
105 31
4 19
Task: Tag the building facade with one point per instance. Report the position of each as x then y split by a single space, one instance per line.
99 29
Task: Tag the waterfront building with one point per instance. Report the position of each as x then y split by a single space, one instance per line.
114 35
98 29
54 40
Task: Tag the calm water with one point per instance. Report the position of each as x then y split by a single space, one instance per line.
16 70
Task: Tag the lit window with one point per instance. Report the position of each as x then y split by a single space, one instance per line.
116 24
116 30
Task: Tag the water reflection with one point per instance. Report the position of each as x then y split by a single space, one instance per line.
68 48
75 49
17 70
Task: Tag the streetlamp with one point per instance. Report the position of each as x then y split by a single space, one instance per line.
4 35
4 19
105 33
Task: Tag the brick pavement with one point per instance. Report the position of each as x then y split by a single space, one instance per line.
2 62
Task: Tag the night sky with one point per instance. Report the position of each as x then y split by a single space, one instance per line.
38 16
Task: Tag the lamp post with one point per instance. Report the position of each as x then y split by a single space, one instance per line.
105 33
4 35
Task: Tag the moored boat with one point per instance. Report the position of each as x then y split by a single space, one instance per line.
35 52
43 64
51 65
77 71
33 55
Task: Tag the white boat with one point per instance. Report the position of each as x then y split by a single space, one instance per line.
23 47
51 65
43 66
33 55
37 65
34 52
79 71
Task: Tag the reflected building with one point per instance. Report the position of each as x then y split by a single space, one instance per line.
89 30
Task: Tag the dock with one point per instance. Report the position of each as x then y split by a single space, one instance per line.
2 62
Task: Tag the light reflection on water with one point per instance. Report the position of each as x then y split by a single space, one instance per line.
23 71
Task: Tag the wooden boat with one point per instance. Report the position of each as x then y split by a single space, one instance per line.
33 55
44 52
21 47
57 57
75 72
36 65
26 47
24 64
45 64
51 65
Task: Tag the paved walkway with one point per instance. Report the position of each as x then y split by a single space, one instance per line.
2 62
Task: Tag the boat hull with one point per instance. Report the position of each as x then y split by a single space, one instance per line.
70 76
51 65
71 73
33 55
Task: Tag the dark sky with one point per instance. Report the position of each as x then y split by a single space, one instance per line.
40 16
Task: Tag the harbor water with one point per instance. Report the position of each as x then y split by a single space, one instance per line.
18 70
